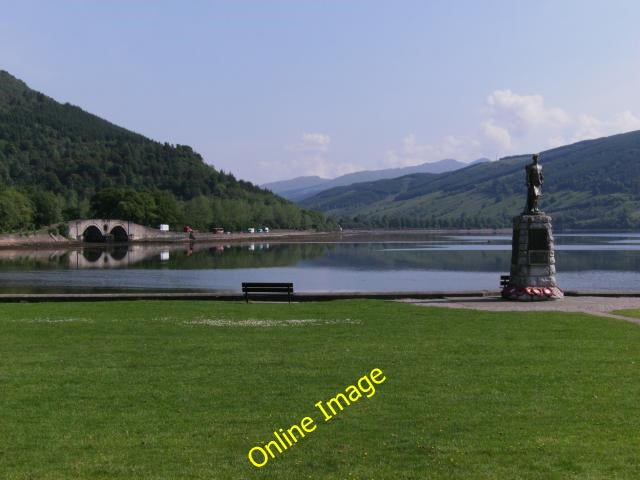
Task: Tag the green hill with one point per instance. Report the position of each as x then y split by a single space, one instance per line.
55 159
590 184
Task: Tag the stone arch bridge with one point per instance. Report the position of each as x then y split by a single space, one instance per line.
119 231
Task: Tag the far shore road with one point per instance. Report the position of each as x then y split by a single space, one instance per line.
43 239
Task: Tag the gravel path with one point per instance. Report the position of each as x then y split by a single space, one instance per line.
600 306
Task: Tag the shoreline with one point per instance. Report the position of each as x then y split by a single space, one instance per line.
43 239
460 299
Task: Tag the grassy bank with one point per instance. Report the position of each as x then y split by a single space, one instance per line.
186 389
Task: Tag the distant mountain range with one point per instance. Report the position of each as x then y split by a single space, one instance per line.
300 188
589 184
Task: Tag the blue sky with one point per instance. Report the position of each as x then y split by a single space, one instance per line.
273 89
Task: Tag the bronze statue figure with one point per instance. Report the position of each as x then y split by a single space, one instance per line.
534 186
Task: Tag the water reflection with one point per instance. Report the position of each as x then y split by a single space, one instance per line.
179 256
424 262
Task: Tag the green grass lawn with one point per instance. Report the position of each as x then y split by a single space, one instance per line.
139 390
628 313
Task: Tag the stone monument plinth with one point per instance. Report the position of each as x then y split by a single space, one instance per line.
533 262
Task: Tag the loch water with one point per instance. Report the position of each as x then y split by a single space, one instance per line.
406 262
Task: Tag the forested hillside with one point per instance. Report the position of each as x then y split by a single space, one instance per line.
59 162
590 184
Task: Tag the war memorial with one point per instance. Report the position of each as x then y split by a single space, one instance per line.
532 275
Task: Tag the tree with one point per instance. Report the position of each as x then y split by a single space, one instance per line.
167 208
125 204
16 211
198 213
47 206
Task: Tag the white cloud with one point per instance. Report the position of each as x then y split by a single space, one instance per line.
524 123
498 135
514 124
311 142
626 121
309 155
522 112
414 153
317 139
591 127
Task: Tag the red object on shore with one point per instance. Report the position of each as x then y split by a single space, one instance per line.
531 293
187 229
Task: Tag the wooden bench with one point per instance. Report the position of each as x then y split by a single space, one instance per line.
504 281
267 290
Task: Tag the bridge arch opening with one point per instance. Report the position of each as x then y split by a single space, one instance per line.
119 234
93 234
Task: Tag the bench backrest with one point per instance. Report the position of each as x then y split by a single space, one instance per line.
264 290
267 287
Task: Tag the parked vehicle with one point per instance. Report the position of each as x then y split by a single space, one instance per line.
251 230
164 227
217 230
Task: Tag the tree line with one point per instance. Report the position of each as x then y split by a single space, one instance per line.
23 210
